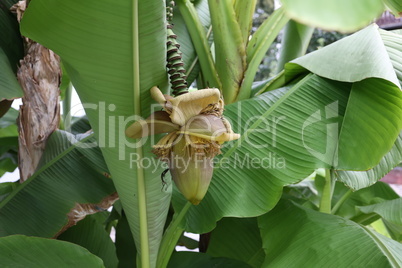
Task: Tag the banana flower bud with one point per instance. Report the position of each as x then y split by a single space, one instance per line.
196 130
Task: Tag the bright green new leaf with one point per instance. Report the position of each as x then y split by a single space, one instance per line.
244 15
258 46
301 237
36 252
114 52
338 15
190 58
196 28
230 49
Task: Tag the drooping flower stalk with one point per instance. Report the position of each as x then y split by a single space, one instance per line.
175 64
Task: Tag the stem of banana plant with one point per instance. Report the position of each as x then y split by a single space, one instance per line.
67 106
296 38
171 236
341 201
142 202
325 202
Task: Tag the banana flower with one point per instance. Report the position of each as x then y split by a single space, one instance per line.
196 130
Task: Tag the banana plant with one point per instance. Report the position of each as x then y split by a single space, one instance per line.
295 160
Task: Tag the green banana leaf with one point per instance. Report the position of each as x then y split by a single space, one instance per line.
301 237
11 51
338 15
9 129
202 260
6 188
274 149
393 230
67 175
114 52
8 142
353 58
36 252
393 45
294 130
80 125
10 88
202 44
8 161
395 6
188 242
356 59
10 38
258 47
345 202
230 48
359 179
125 246
390 210
377 193
237 239
244 15
90 233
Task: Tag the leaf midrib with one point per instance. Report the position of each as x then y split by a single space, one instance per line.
383 248
142 205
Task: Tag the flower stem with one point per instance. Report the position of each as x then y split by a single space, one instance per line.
171 236
67 107
325 202
341 201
